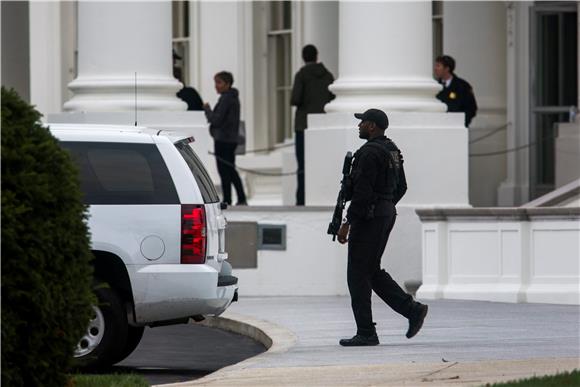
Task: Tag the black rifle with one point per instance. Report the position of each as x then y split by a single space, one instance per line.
334 225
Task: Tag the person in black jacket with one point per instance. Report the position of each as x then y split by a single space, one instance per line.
378 183
457 93
309 94
224 122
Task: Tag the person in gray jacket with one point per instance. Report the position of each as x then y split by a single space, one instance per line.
224 124
309 94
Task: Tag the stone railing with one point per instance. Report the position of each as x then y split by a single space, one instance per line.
501 254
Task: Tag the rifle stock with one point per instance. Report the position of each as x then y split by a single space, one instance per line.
336 221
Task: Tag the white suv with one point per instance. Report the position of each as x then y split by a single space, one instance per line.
157 234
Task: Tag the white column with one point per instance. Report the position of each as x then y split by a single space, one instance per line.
45 57
481 24
317 24
385 58
469 24
514 191
385 62
115 41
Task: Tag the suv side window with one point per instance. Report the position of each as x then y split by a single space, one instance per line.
202 178
118 173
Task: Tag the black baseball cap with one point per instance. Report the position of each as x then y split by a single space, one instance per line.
374 115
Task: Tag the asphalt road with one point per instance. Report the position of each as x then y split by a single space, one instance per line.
179 353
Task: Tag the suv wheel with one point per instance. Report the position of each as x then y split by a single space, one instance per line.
106 332
134 335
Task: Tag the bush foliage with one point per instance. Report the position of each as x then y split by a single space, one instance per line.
46 270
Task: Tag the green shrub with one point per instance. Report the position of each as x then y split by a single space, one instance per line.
46 270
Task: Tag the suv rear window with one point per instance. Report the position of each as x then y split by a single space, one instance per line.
204 182
118 173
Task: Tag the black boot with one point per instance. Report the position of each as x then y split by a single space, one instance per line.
360 341
416 319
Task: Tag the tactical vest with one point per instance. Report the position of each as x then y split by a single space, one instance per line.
395 163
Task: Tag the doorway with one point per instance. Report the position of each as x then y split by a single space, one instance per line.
554 86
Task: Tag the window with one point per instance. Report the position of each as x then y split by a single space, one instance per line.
181 41
113 173
554 80
280 70
201 176
105 163
437 12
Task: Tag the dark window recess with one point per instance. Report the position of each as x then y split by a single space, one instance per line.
271 237
208 191
118 173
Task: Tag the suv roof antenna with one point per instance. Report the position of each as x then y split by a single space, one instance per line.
135 98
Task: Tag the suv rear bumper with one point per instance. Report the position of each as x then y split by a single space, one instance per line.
227 280
167 292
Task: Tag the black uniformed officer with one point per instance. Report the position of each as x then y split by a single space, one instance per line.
378 180
457 93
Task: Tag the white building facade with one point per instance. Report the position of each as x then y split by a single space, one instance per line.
520 57
111 62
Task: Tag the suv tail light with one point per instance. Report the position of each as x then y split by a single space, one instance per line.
193 234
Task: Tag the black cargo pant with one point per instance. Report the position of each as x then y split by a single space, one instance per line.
299 145
225 153
367 242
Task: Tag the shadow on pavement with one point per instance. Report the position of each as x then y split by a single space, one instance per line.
180 353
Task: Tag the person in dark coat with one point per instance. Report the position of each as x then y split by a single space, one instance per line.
309 94
224 126
378 183
457 93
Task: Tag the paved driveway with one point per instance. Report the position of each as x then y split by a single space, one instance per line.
463 343
453 331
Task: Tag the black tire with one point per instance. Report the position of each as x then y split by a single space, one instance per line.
106 334
134 335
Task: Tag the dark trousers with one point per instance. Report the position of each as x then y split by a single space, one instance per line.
367 242
299 144
225 153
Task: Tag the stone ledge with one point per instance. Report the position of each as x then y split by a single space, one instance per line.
497 213
280 209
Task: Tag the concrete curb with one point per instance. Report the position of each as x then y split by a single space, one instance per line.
467 374
275 338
